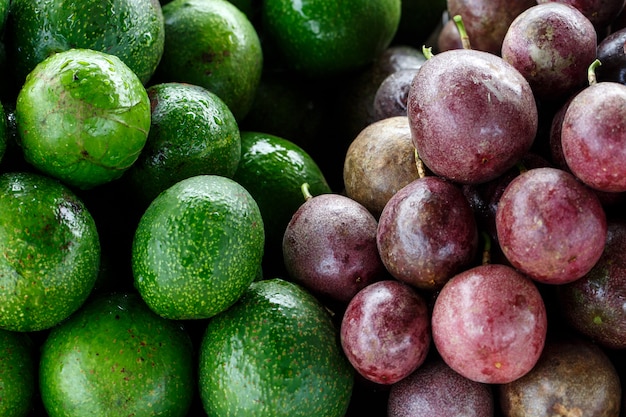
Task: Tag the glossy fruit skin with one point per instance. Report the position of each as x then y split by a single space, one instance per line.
600 13
550 226
593 134
379 162
273 170
489 324
212 44
329 247
192 132
51 252
593 304
572 377
132 30
18 370
553 65
83 117
427 233
472 115
385 331
275 353
116 357
436 390
324 38
613 57
197 247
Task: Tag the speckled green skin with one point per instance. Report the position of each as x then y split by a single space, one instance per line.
197 247
274 354
133 30
327 37
4 12
17 374
83 117
193 132
273 170
117 358
4 131
49 252
211 43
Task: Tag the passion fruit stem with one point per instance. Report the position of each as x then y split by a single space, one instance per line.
305 191
465 41
486 248
427 51
591 72
419 164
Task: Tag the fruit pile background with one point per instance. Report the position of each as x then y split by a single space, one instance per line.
438 214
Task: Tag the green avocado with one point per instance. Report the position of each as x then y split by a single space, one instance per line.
114 358
192 132
275 353
50 252
322 38
133 30
213 44
17 373
197 247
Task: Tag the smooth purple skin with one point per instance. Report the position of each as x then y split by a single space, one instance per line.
472 115
594 304
489 324
436 390
550 226
427 233
593 136
551 45
391 97
600 12
385 331
329 247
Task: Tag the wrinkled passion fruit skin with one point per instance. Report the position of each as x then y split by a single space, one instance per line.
572 378
472 115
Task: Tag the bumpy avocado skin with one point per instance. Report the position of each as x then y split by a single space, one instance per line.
50 252
133 30
115 357
274 354
83 117
328 37
197 247
17 373
192 132
212 44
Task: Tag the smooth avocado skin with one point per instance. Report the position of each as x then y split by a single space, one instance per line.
18 371
321 38
83 117
115 357
213 44
197 247
133 30
192 132
51 252
274 354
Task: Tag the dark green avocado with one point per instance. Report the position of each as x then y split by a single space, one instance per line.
275 353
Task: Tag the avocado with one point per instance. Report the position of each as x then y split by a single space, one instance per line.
275 353
51 252
132 30
17 373
115 357
197 247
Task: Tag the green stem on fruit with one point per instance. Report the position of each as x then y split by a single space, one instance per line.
465 41
419 164
427 51
521 167
486 248
591 72
306 192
